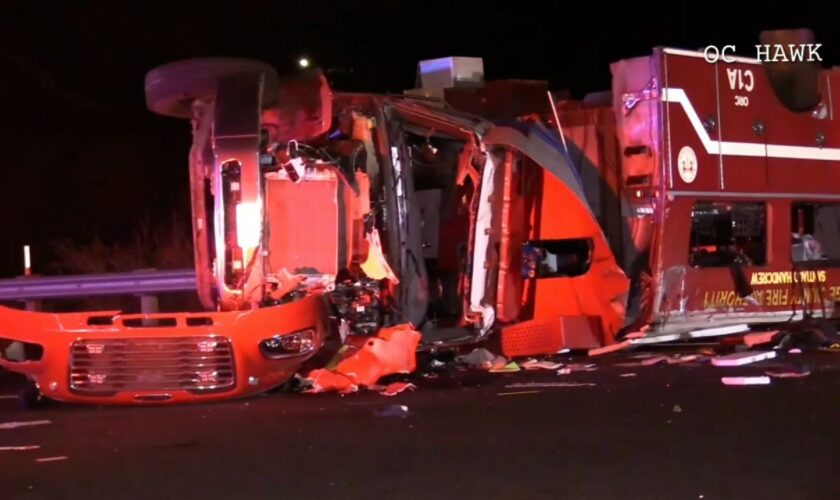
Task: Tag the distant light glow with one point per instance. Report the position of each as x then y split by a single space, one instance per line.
27 260
303 62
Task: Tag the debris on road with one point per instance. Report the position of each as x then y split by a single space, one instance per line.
534 364
510 367
577 367
745 380
30 423
528 385
831 348
677 409
392 351
51 459
19 448
630 374
759 338
394 411
598 351
793 372
651 360
395 388
482 358
742 358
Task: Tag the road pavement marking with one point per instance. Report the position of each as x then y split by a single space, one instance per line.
516 393
50 459
29 423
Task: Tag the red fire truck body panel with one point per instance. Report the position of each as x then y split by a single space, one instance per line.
737 161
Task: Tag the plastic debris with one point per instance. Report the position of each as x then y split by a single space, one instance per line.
630 374
376 265
397 387
745 380
795 350
51 459
742 358
391 351
15 425
324 380
510 367
19 448
758 338
534 364
610 348
394 411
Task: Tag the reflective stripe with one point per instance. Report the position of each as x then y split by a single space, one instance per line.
714 147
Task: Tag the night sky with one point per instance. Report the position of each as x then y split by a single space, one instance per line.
83 156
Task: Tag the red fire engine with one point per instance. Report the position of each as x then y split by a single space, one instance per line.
693 199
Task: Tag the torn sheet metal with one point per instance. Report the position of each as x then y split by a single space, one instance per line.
718 331
481 245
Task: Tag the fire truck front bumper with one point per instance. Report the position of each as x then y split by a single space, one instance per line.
108 358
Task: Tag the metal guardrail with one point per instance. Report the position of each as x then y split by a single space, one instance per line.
29 288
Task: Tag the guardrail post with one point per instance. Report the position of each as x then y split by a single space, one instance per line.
149 304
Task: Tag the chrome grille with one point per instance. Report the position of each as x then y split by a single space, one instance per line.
108 366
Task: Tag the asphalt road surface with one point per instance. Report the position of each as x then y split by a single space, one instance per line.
669 432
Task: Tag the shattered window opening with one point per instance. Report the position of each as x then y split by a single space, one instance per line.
556 258
815 231
726 233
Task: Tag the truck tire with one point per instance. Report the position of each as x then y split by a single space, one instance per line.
171 88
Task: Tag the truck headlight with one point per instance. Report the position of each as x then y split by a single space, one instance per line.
297 343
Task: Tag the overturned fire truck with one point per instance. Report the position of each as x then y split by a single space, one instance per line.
692 199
